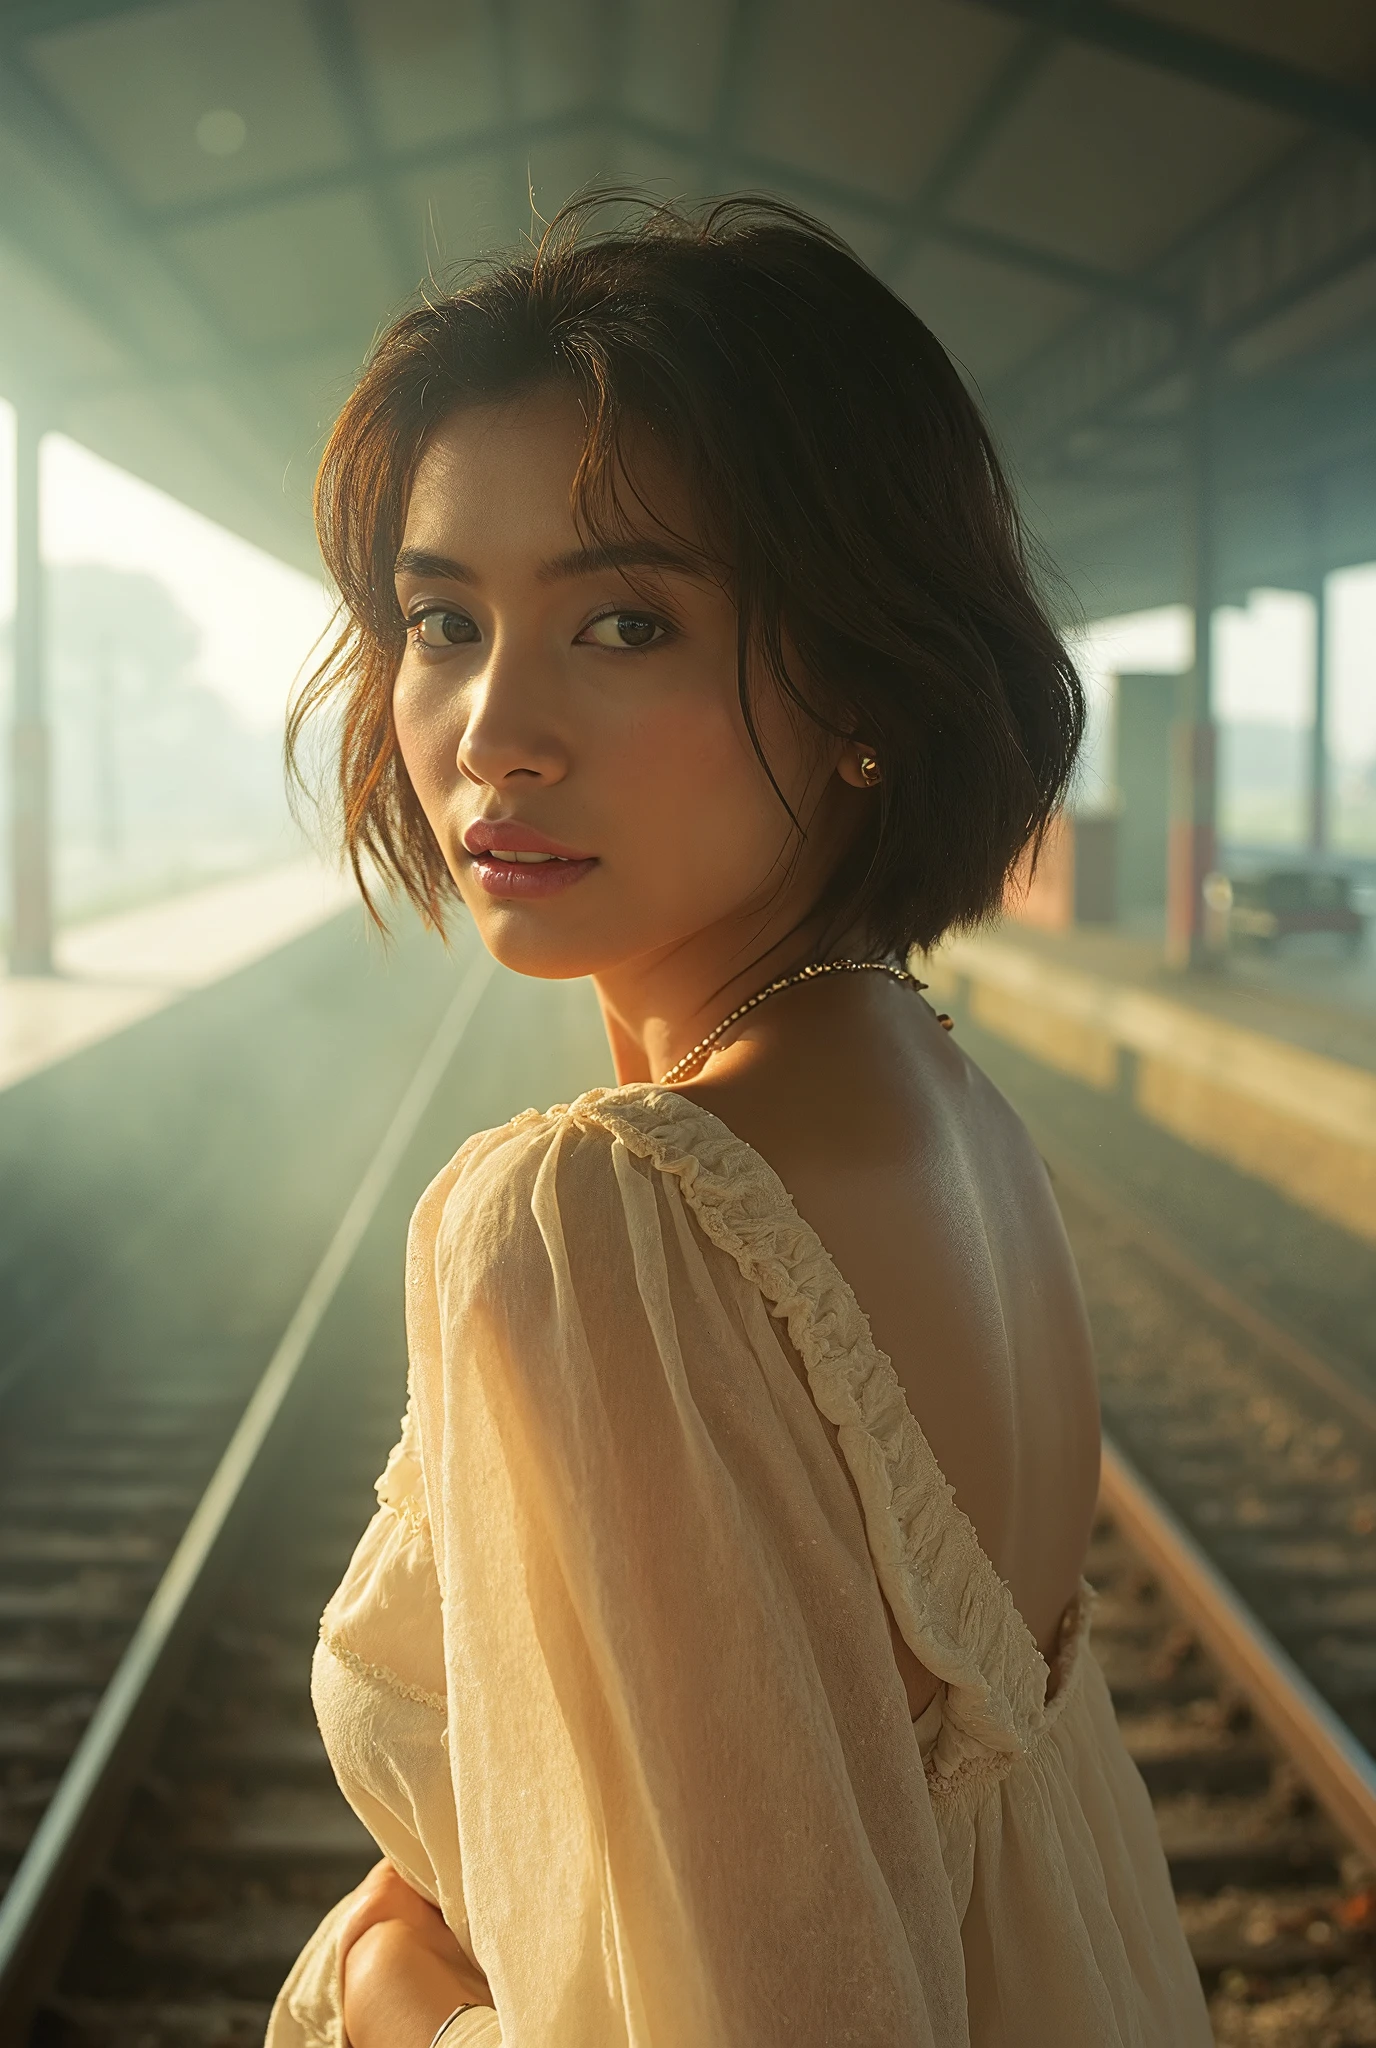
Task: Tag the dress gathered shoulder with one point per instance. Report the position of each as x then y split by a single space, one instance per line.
610 1679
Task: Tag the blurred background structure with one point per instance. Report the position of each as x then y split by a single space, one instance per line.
1146 229
1148 232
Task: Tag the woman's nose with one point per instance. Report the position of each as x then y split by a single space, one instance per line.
510 730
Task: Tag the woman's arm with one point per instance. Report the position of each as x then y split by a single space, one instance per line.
401 1968
692 1809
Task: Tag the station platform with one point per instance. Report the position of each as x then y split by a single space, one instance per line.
1309 993
115 971
1268 1064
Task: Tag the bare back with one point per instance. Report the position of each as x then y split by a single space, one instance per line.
923 1184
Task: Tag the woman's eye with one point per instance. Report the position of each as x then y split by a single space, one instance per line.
443 629
625 631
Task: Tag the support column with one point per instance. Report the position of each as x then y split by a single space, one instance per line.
1318 750
31 938
1192 852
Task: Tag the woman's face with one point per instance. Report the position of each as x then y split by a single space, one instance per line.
580 708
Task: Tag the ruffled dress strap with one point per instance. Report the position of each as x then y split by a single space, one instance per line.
955 1613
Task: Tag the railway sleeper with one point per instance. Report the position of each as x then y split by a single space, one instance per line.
1287 1933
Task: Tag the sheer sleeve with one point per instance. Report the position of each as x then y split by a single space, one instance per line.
691 1809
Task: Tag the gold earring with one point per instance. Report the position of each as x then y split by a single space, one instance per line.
869 771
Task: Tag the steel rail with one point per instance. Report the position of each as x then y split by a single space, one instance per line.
39 1908
1339 1771
1338 1768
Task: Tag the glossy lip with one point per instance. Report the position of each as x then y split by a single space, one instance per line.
520 880
506 835
516 880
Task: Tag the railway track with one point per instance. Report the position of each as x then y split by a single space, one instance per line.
237 1840
96 1491
1264 1449
129 1341
1234 1513
104 1620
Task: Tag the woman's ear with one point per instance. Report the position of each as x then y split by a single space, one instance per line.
859 767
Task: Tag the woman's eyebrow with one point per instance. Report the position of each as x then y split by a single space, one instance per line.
420 562
629 554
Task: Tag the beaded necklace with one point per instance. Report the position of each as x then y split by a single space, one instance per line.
704 1045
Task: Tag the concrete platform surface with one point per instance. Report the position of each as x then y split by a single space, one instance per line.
114 971
1284 1089
1309 993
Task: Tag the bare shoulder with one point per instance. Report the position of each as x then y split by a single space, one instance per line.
926 1188
883 1129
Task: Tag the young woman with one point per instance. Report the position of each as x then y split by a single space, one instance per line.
715 1673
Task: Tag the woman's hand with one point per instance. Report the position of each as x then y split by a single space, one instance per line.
402 1970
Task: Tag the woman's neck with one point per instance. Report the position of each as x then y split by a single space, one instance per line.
656 1010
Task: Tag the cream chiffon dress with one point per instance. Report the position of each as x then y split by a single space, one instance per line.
609 1677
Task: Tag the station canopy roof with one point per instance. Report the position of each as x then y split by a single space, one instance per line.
1104 208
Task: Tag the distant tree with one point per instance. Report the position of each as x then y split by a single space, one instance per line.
122 619
155 776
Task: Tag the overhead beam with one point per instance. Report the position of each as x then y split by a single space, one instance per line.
1009 250
738 53
1012 253
336 38
1226 67
511 143
149 366
505 138
29 110
1274 446
1009 86
1300 231
1307 226
1278 430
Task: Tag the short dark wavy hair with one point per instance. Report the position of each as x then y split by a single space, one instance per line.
847 488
